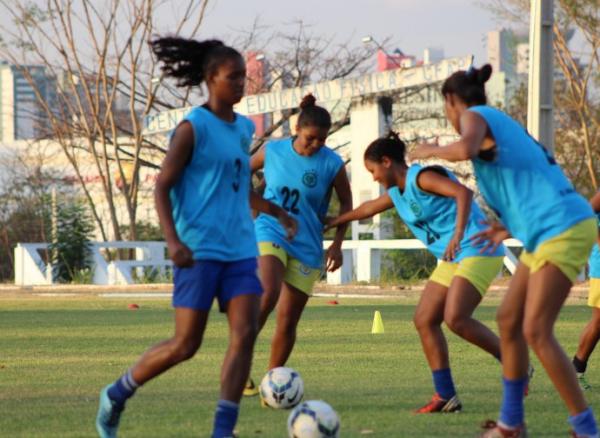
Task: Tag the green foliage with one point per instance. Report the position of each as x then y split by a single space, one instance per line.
70 247
152 275
146 231
402 265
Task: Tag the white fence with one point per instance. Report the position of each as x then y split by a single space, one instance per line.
361 261
31 270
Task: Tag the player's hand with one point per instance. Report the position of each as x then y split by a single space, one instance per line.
181 255
423 151
329 222
491 238
333 258
453 247
288 223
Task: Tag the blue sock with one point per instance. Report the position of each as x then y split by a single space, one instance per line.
225 418
512 413
584 423
123 388
442 381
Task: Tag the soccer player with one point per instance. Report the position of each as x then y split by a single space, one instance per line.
535 202
203 198
300 173
441 213
591 332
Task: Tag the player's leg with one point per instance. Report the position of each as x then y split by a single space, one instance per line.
289 310
192 303
590 335
189 328
272 266
472 279
515 359
428 319
297 287
240 297
548 289
557 262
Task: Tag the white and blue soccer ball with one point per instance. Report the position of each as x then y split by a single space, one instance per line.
313 419
282 388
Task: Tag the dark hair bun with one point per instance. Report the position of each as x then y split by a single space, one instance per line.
484 74
393 135
308 101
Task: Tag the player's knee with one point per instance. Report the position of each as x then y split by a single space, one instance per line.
183 349
423 321
508 323
536 334
456 322
243 338
269 298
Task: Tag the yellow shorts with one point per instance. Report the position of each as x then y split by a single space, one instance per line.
594 293
569 251
479 271
296 274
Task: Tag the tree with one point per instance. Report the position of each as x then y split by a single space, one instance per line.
104 82
576 97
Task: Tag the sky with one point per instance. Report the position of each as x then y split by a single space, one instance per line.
458 26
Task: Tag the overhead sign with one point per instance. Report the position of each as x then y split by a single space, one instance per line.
343 88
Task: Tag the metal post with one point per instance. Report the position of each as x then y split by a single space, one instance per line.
541 73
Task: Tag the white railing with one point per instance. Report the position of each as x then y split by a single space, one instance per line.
30 269
362 260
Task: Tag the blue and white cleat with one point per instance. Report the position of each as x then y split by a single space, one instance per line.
109 414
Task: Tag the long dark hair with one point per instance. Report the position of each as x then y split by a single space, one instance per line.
469 85
390 146
313 115
189 61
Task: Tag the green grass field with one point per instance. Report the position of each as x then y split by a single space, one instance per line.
55 355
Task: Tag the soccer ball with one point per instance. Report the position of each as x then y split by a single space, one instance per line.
282 388
313 419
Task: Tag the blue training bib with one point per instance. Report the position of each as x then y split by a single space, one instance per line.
432 218
594 260
524 185
211 199
302 186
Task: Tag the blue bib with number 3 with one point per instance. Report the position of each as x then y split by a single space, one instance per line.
211 207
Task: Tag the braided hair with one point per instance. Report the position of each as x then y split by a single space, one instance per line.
189 61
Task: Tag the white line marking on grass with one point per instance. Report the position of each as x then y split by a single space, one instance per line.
330 295
135 295
57 294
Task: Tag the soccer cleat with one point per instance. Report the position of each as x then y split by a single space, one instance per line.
438 404
493 430
109 414
583 383
250 390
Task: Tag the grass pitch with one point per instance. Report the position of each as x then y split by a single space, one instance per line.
56 354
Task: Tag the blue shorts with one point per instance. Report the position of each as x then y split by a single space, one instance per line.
197 286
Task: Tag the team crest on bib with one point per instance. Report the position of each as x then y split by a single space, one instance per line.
310 178
415 208
245 144
304 270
